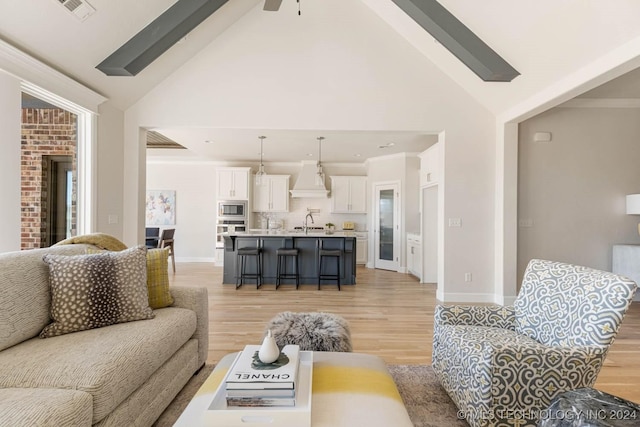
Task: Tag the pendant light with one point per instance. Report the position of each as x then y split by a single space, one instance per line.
261 173
319 173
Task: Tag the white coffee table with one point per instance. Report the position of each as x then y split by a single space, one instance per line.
347 389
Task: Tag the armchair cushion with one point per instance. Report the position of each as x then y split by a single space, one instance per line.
472 315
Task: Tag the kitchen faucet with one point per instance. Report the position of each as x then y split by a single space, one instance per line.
306 227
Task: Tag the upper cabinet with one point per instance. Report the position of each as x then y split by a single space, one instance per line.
430 166
272 195
349 194
233 183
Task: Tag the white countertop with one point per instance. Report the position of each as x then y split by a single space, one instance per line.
295 233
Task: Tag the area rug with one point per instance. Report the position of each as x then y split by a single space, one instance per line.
427 403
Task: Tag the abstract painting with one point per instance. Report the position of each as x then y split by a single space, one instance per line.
161 207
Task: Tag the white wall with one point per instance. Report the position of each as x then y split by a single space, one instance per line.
350 73
573 188
10 184
110 171
194 181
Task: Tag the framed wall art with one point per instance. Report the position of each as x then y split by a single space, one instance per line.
160 207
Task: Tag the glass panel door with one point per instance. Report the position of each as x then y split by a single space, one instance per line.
386 226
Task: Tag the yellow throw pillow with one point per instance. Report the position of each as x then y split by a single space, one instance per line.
158 278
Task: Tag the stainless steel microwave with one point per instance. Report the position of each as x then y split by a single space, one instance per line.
231 209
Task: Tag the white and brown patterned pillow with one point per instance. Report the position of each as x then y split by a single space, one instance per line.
96 290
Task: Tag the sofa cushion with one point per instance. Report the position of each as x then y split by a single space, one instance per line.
24 292
28 407
97 290
158 278
109 363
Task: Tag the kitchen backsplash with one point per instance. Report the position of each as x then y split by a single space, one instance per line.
298 211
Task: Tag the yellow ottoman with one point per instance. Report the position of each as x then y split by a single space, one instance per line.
348 389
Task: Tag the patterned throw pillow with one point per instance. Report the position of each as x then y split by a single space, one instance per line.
158 278
92 291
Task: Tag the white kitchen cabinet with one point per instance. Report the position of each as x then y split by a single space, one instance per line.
362 248
272 195
349 194
414 254
233 183
430 166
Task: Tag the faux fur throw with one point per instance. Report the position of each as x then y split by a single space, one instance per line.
311 331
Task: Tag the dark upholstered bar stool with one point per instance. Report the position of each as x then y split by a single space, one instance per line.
329 253
241 264
281 268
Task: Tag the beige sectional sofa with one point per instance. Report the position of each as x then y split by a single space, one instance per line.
120 375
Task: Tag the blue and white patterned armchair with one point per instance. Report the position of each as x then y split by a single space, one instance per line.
503 365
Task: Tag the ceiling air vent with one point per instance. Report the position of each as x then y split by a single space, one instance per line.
81 9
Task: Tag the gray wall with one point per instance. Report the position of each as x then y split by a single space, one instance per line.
573 188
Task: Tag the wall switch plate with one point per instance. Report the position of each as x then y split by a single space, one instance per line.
455 222
113 219
467 277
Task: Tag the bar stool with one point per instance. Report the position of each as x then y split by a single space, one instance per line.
241 264
281 268
329 253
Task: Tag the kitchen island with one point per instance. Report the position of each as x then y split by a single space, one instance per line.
308 245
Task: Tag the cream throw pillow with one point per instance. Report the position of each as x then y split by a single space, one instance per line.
96 290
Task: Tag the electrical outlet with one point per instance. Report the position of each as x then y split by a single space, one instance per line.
525 223
467 277
455 222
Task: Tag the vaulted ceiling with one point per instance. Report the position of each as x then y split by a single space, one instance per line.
547 41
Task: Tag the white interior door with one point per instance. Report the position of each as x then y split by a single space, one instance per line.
386 227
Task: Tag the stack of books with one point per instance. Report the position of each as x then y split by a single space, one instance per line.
253 383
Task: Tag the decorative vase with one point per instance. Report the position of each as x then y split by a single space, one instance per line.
269 351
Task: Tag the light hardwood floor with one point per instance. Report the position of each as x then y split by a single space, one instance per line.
391 315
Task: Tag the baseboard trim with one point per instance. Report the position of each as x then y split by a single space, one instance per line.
451 297
195 259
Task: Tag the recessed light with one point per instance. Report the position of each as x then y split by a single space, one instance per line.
309 155
356 155
208 141
387 145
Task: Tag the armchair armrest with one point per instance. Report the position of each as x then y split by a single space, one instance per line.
195 299
539 372
475 315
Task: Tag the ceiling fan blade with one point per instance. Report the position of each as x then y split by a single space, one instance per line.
272 5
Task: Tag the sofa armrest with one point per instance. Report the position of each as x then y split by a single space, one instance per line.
475 315
195 299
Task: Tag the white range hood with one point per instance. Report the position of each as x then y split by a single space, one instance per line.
305 185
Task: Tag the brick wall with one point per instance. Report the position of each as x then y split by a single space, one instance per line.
45 132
